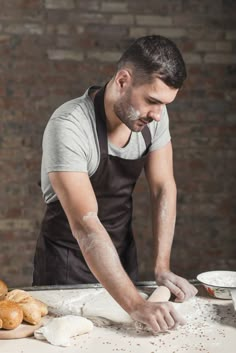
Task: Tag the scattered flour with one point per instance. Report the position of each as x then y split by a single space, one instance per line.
210 324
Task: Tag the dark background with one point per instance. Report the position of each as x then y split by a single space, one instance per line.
52 50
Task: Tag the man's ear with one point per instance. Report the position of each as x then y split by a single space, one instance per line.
123 79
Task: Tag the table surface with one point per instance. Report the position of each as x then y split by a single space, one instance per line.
210 328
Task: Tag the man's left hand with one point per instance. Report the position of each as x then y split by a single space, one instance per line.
179 286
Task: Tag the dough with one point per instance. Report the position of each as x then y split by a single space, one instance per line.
105 307
97 305
58 331
104 310
66 302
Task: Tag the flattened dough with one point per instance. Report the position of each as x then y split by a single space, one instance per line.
58 331
105 307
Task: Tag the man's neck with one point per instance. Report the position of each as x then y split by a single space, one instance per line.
118 132
113 122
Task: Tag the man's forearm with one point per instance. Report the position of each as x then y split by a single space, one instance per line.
103 260
163 216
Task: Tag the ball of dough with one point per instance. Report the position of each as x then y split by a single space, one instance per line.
11 314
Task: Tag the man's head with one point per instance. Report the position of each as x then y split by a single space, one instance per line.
149 75
154 56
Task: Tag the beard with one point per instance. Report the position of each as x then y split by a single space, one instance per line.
128 115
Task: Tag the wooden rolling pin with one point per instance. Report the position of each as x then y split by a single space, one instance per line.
160 294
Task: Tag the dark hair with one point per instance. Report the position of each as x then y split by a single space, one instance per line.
155 56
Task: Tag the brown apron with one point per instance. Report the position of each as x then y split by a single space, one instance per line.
58 258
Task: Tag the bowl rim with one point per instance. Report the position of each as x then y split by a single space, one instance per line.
212 285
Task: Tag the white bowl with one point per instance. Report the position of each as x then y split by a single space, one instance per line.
218 283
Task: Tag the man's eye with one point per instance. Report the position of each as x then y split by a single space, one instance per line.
152 102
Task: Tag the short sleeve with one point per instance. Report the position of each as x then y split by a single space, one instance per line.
65 146
160 131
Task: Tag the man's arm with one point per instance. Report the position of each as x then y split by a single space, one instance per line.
78 200
159 173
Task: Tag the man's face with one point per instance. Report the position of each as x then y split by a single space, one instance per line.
139 105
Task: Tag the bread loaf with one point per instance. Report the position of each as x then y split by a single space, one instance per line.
11 314
33 309
17 295
42 306
3 289
31 312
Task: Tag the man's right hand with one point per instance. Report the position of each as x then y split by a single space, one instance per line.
159 316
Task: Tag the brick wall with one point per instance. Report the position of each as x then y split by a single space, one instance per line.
52 50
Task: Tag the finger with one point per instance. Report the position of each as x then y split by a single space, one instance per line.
155 326
182 298
162 323
180 295
169 321
189 294
194 290
189 290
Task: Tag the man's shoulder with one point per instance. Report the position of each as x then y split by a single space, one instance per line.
77 107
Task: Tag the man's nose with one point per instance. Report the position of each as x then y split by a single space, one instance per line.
155 113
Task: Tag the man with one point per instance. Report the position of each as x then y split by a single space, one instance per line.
94 149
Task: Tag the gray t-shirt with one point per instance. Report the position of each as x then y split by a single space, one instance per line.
70 141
